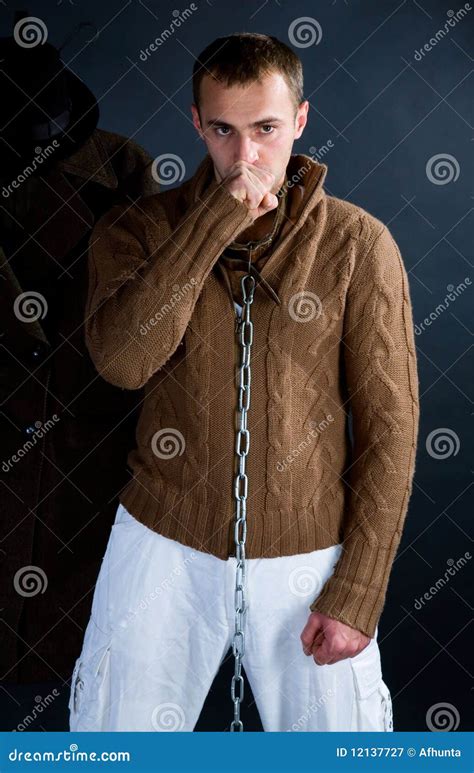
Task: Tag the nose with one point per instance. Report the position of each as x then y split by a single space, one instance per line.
245 150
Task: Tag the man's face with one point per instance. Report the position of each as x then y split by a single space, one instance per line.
235 124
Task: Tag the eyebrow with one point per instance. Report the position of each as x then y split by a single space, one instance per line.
217 122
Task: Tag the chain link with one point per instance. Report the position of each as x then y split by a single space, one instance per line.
244 328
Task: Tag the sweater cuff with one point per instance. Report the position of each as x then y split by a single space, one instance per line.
355 592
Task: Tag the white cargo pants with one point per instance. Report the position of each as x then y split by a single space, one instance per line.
162 621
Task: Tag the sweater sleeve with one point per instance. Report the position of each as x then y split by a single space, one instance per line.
145 279
381 371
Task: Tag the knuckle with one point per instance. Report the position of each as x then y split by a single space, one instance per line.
338 643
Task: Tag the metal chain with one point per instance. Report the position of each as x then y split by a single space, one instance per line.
245 330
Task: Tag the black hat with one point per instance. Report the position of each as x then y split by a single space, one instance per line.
47 112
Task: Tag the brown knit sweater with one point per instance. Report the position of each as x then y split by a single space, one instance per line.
338 337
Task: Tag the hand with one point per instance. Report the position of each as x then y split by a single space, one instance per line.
329 640
252 185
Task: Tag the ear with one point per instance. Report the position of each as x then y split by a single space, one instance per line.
301 119
196 120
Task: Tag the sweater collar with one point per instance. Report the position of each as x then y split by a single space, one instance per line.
304 183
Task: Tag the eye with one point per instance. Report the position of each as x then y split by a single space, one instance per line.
226 129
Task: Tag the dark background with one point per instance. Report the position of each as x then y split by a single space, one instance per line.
386 115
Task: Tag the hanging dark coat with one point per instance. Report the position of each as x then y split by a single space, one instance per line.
64 431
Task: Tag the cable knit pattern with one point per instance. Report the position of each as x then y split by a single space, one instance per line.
381 367
160 314
196 406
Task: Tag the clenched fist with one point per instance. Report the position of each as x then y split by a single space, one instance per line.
252 185
329 641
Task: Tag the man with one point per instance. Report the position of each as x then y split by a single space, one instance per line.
332 331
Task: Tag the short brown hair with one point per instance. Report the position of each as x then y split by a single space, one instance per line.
245 57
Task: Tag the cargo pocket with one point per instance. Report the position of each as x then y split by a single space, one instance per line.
89 697
387 707
372 703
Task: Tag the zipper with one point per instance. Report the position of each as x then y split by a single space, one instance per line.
238 315
238 321
239 309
